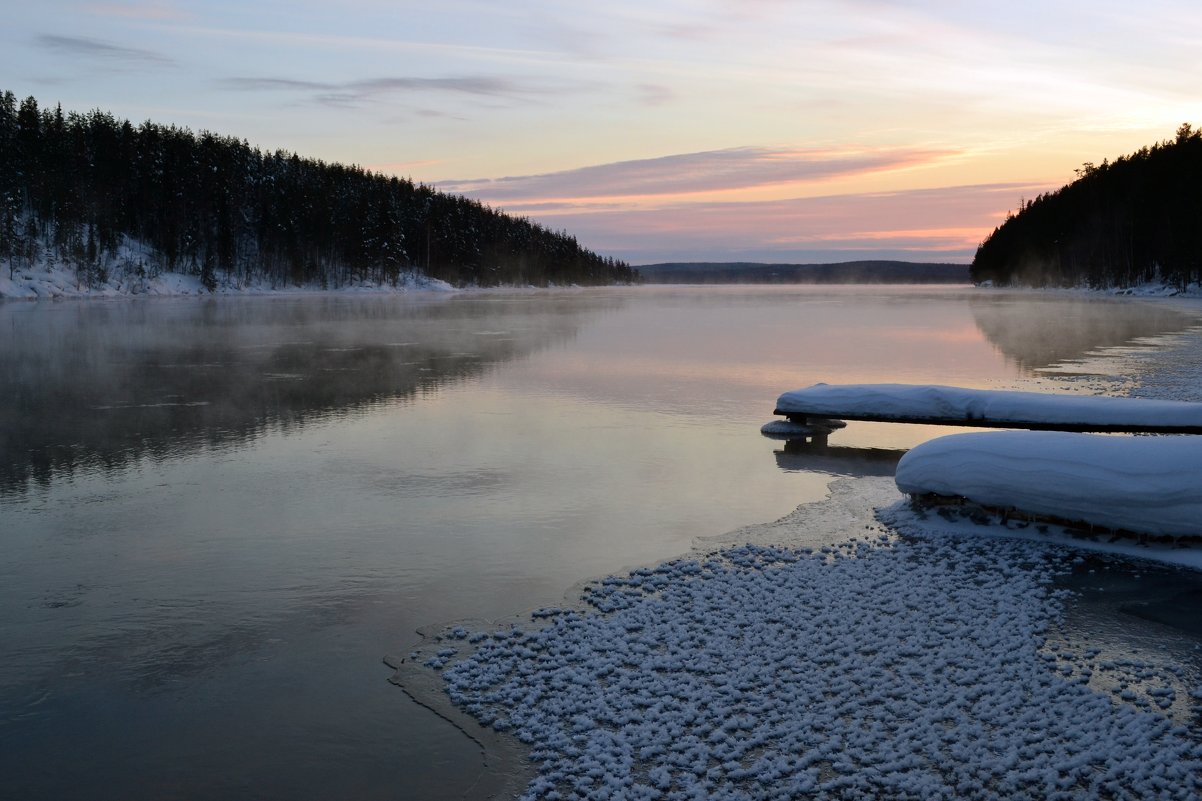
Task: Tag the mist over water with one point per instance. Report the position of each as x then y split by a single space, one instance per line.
218 516
1039 331
101 384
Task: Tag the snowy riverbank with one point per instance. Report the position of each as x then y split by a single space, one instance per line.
121 278
1151 289
52 282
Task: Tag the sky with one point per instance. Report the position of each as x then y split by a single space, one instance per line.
656 130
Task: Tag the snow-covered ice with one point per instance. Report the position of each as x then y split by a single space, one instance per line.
977 523
931 402
873 667
871 670
1146 485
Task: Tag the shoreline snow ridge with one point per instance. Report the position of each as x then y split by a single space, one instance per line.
59 283
872 667
53 283
1143 485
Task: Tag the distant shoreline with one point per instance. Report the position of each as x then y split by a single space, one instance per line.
58 282
875 271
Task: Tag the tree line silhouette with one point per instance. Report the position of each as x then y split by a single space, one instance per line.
101 195
1121 223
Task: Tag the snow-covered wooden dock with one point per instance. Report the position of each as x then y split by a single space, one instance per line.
956 406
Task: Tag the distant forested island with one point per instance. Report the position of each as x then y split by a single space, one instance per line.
99 194
847 272
1122 223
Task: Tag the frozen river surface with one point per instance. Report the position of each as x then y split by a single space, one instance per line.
219 515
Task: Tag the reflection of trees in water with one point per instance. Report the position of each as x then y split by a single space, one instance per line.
96 384
1037 332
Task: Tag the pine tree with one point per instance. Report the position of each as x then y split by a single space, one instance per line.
78 184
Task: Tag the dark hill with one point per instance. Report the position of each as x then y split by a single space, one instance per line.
100 194
1121 223
848 272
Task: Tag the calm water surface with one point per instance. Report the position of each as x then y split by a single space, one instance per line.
217 516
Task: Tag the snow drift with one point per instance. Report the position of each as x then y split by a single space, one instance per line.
1146 485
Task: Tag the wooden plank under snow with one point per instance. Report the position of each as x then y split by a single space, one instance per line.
984 408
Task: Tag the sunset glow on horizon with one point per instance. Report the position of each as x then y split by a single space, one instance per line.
757 130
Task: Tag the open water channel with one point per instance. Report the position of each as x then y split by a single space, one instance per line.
217 516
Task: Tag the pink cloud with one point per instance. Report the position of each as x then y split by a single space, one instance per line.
401 167
692 173
942 224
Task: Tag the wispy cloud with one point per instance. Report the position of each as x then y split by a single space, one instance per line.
401 167
655 94
353 93
269 84
690 173
97 50
157 11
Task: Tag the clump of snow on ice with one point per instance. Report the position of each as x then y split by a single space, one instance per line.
874 669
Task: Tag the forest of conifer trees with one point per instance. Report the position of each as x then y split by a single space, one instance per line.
99 195
1122 223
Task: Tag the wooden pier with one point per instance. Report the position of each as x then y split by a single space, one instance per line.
820 409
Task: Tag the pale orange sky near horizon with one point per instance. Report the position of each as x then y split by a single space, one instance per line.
757 130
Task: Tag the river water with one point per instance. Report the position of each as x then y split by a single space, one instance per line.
218 516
